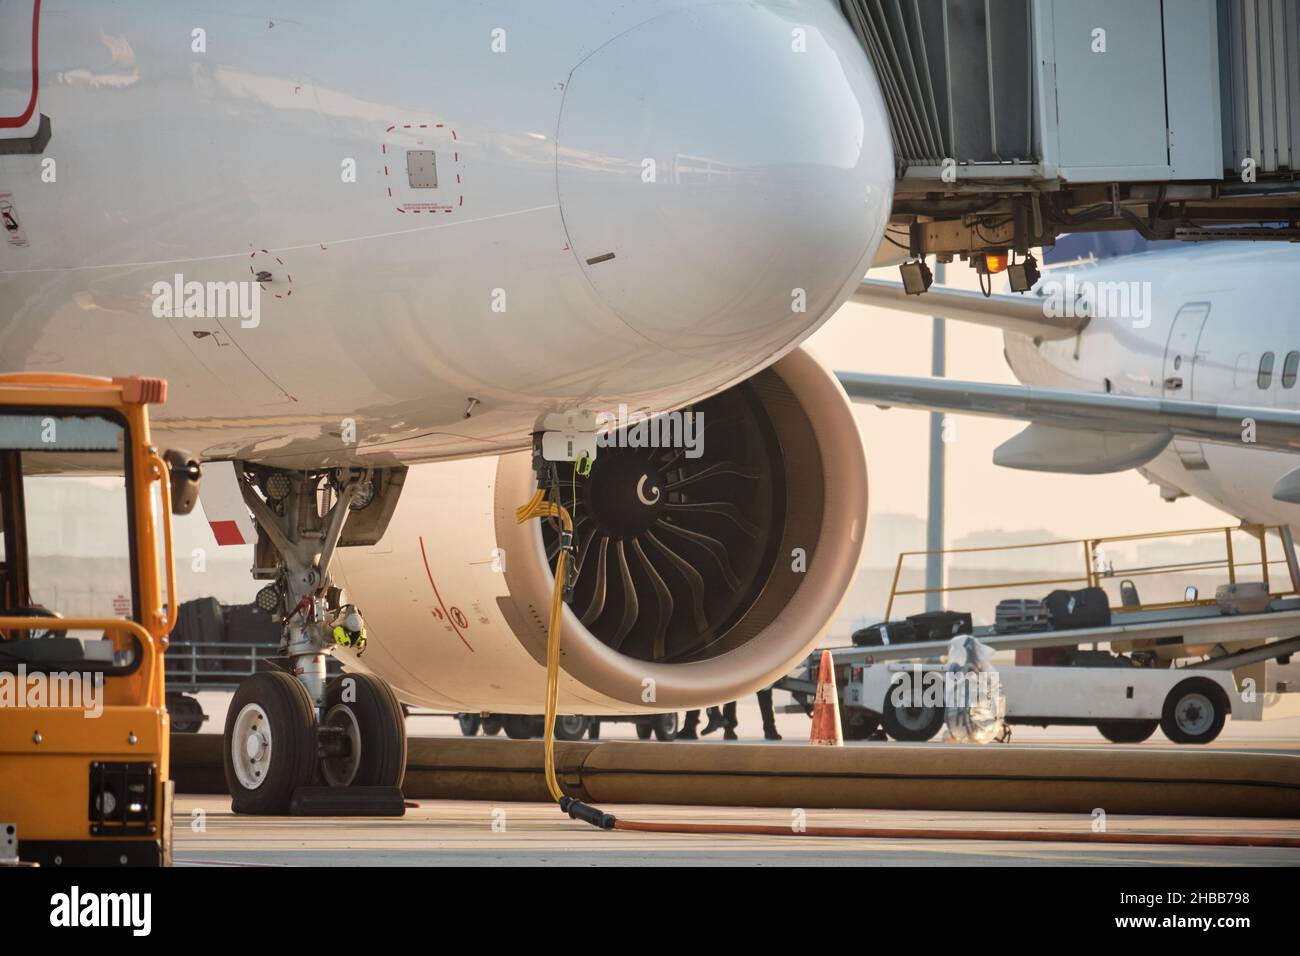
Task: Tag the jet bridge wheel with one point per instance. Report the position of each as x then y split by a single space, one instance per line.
367 712
1194 712
269 743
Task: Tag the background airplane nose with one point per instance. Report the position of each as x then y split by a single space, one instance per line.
722 168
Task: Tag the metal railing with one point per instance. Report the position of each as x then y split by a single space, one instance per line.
220 665
1097 567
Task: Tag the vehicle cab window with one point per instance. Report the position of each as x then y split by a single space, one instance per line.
65 547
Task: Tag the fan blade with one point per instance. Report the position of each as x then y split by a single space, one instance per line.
665 599
597 604
723 508
712 545
584 546
693 578
721 468
631 609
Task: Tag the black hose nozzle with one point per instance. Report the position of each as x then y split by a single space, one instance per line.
588 814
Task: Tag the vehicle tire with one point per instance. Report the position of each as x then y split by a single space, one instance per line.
910 724
1127 731
366 709
570 726
518 726
1194 712
269 744
469 723
857 723
643 730
664 727
491 725
185 714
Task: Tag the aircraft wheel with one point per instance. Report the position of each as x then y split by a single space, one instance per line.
518 727
1127 731
469 723
491 726
665 727
270 743
367 711
643 730
1195 712
570 727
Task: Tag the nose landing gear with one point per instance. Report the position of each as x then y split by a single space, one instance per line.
287 730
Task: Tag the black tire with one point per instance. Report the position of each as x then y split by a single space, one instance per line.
185 714
1194 712
289 728
643 730
469 723
857 724
665 727
570 726
374 719
491 726
910 724
1127 731
518 727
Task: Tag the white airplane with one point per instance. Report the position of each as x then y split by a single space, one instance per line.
356 240
1182 363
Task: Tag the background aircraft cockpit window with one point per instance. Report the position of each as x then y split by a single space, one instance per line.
1265 378
76 512
1290 367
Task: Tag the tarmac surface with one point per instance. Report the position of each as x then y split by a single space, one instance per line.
482 833
466 833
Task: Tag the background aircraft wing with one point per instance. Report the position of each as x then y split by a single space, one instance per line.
1027 314
1084 432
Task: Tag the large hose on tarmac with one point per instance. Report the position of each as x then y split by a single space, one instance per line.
539 507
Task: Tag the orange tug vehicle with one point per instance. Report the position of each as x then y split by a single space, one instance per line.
87 600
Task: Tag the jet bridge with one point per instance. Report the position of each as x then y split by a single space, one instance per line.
1015 121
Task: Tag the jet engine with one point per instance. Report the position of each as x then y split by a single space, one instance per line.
702 571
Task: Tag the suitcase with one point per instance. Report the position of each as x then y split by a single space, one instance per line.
1089 607
1021 615
940 625
1041 656
1247 597
888 632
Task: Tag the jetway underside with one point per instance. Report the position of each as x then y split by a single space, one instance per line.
1016 121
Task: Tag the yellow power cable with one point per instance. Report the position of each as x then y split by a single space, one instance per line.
539 507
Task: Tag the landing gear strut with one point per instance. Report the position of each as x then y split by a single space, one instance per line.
289 729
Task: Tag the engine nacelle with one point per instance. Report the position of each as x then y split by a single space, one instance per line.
700 578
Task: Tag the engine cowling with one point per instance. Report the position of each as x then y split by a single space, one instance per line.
699 579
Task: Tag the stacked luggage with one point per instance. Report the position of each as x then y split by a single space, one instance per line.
1021 616
930 626
1060 611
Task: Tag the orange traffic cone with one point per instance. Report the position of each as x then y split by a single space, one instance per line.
826 707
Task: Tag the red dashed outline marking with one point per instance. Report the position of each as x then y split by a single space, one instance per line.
460 200
289 291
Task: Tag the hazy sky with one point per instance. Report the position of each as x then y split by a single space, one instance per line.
980 495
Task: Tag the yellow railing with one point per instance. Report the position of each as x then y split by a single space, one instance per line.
1096 569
